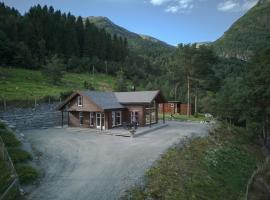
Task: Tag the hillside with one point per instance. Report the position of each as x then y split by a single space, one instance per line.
24 84
141 44
247 35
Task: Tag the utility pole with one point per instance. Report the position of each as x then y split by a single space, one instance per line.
196 100
106 67
188 106
93 70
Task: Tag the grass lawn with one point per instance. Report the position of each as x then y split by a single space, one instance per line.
179 117
27 174
23 84
217 167
5 176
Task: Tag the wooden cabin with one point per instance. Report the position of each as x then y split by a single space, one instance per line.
106 110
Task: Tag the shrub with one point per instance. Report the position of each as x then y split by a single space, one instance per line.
9 138
18 155
5 176
27 174
2 125
64 95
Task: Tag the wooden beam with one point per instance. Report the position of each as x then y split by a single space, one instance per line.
62 118
150 116
163 113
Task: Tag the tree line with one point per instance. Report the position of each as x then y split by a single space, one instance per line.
233 90
29 40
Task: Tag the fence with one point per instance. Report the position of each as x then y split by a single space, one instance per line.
27 103
13 188
255 173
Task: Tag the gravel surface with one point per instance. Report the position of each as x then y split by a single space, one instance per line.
83 165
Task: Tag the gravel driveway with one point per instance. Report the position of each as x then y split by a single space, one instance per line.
79 165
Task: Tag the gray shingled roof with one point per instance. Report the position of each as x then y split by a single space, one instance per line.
105 100
136 97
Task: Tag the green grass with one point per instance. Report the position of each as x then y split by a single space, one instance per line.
27 174
23 84
18 155
9 138
216 168
5 176
179 117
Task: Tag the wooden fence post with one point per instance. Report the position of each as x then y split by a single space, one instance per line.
5 104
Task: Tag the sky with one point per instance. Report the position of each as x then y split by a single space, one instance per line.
172 21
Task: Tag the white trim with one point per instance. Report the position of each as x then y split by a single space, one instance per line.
80 101
114 116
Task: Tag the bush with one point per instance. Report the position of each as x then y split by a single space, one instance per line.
18 155
27 174
2 125
5 176
64 95
9 138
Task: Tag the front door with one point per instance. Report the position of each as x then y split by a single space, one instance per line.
99 120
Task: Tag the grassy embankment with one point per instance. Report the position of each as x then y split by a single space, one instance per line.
217 167
23 84
27 174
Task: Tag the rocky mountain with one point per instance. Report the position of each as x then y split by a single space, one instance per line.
248 34
142 44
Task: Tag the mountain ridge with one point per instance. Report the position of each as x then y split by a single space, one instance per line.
141 43
247 35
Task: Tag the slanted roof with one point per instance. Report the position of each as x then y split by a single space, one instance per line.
105 100
137 97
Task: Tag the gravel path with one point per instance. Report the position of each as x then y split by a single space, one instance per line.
79 165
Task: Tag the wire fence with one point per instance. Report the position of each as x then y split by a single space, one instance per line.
6 104
12 189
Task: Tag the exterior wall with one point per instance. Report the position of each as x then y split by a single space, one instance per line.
140 110
184 107
170 108
87 105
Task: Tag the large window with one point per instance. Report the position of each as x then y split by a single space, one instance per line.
80 101
150 115
91 119
116 118
81 118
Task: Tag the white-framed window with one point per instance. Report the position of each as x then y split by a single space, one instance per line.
80 101
172 105
91 119
116 118
81 118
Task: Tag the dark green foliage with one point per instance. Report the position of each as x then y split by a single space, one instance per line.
88 85
27 40
18 155
5 176
216 167
248 35
9 138
65 95
27 174
138 44
121 83
54 70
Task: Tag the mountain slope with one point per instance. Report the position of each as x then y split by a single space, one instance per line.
141 44
247 35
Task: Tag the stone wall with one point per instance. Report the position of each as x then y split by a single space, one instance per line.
43 116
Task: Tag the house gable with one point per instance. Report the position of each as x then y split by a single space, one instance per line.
71 104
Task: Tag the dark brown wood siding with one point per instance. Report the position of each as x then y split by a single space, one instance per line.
87 105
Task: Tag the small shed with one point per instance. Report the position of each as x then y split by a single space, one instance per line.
172 107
